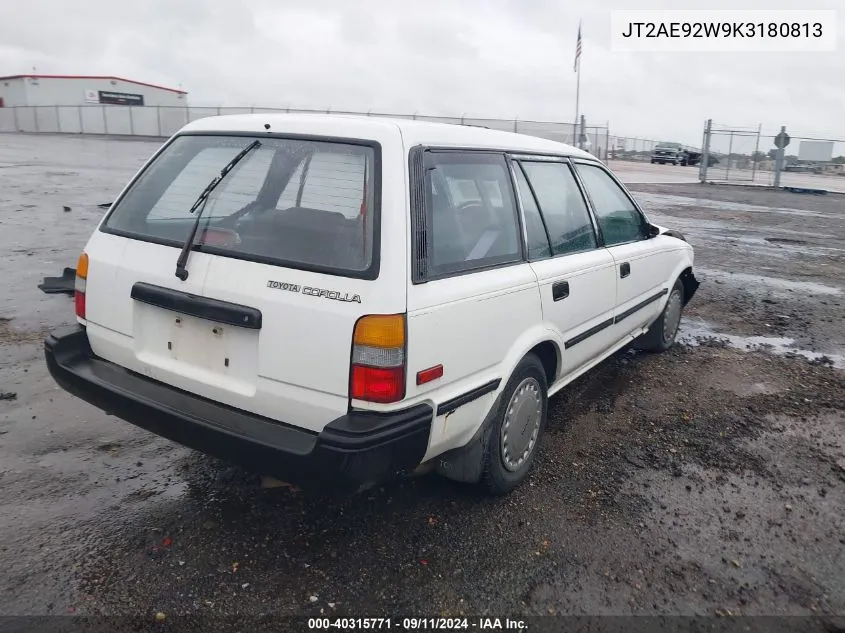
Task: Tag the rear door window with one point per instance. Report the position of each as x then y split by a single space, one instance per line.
471 212
535 228
562 205
298 203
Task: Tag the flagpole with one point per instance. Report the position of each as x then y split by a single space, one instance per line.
575 137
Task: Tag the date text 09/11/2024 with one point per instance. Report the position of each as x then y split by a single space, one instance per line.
416 624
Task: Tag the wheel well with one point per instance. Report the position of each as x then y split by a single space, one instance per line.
690 284
547 353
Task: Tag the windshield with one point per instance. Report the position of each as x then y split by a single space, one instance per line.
299 203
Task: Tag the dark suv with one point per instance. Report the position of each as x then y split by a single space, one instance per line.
670 154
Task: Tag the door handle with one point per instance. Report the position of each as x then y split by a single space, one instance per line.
560 290
624 270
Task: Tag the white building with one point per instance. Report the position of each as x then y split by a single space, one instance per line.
80 90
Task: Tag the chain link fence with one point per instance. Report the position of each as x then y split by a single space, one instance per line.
163 121
631 148
748 155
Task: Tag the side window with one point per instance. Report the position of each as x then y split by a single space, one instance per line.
618 218
563 207
538 239
471 211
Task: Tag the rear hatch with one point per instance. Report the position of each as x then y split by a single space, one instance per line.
286 254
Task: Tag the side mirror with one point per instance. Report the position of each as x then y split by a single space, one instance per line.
653 231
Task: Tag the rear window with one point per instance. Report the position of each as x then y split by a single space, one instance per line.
300 203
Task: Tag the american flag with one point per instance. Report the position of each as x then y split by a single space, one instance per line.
577 49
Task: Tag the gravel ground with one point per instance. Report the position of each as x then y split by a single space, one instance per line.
709 480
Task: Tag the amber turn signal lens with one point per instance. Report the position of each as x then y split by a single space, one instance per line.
380 330
82 266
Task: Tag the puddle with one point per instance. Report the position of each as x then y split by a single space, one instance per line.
784 240
694 331
726 233
808 287
658 200
785 247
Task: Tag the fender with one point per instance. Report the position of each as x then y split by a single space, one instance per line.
689 281
540 333
466 446
662 230
685 274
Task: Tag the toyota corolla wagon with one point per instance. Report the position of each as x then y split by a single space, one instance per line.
335 300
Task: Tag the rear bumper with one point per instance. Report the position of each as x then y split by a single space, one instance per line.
354 450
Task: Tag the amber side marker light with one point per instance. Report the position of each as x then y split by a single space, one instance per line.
377 372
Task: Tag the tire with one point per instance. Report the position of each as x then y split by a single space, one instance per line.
653 161
662 333
522 412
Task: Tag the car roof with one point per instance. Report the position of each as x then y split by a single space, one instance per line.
373 127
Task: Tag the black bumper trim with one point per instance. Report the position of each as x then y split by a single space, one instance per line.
451 405
587 334
355 449
624 315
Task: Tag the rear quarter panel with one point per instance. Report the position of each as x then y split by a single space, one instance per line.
473 325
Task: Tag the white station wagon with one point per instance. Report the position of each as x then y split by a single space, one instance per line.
336 300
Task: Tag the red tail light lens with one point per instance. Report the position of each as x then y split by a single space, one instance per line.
79 303
377 384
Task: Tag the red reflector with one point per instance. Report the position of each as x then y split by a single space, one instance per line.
427 375
377 384
79 303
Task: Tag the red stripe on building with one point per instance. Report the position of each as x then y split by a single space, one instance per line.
109 78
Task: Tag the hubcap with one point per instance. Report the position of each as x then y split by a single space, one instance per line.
672 316
522 424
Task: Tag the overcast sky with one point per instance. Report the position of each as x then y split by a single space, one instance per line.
496 58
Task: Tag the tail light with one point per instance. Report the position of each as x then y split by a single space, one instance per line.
377 373
80 285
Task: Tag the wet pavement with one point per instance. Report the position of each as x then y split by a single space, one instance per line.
706 480
644 172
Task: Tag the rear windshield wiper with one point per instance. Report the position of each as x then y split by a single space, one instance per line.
181 271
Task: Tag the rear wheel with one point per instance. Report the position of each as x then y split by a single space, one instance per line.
662 333
512 442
